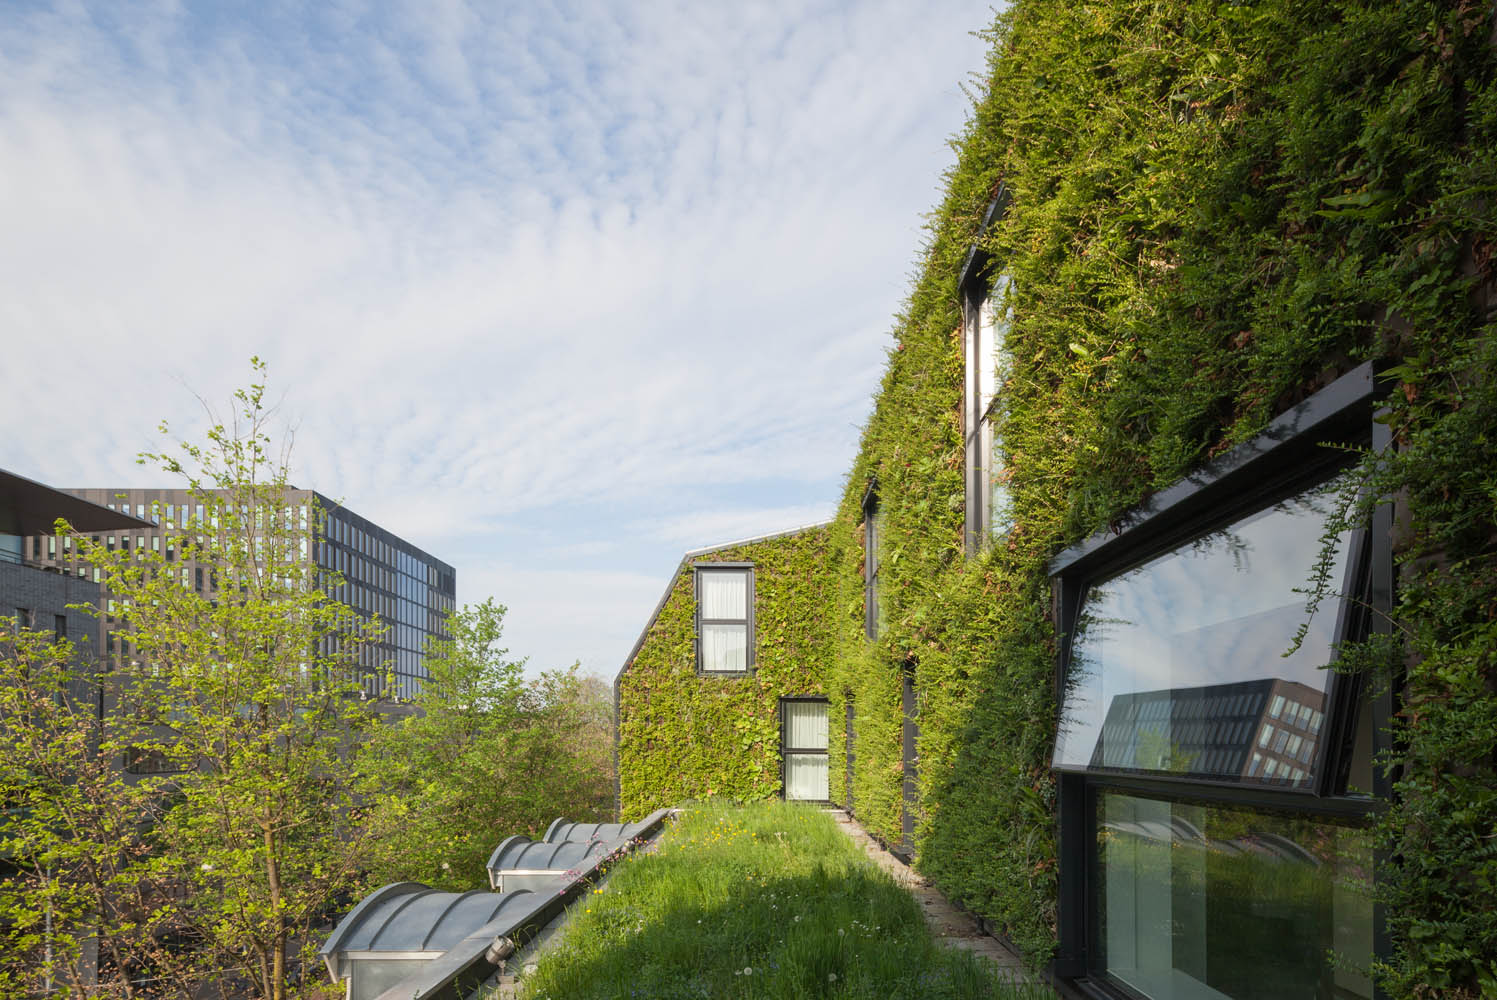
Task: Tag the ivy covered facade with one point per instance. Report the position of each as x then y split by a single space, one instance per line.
734 661
1205 278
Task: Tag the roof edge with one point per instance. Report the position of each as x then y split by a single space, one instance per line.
685 560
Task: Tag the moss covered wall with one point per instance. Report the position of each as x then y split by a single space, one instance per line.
685 736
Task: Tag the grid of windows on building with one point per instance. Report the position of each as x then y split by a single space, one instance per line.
382 574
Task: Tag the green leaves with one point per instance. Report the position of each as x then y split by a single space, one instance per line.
487 755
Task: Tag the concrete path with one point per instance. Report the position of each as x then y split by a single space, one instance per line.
950 926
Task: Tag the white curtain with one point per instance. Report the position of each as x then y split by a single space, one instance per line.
724 647
805 725
724 594
806 776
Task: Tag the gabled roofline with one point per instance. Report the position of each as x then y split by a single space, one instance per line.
686 559
675 574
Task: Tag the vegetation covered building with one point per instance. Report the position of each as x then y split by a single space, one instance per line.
725 693
1158 609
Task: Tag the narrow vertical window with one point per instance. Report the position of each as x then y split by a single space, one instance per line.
985 328
725 618
873 614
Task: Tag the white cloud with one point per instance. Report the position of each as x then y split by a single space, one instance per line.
640 259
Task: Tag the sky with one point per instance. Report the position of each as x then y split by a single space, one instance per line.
555 291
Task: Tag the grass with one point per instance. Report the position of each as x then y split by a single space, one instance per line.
765 901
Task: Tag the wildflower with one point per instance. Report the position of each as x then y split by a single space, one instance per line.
748 970
446 866
831 977
840 932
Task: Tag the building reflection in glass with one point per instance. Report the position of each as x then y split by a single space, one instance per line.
1264 731
1182 665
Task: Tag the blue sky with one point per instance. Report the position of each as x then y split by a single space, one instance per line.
556 291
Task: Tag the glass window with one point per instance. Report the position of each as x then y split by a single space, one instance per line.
873 609
1200 901
1278 707
804 746
1212 617
724 619
985 328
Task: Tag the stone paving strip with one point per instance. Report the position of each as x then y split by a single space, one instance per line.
950 926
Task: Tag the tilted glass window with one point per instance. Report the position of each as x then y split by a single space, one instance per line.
1202 631
725 602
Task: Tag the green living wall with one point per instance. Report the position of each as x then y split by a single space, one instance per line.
1214 210
684 736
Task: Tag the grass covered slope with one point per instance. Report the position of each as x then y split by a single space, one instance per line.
769 900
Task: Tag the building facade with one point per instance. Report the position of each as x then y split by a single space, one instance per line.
1159 597
34 590
410 590
725 691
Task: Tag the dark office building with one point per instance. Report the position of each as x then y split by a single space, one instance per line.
410 590
1264 730
33 590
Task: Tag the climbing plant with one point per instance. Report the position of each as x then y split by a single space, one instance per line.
1213 210
683 735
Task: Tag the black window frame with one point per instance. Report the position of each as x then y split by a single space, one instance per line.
786 750
1290 455
749 658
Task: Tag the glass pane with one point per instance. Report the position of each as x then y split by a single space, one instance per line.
1202 902
805 725
992 332
724 647
1000 513
1199 634
805 776
724 593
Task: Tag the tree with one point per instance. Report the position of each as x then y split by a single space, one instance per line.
489 755
79 910
241 700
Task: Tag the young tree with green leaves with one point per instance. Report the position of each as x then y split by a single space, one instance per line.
80 911
241 702
490 755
